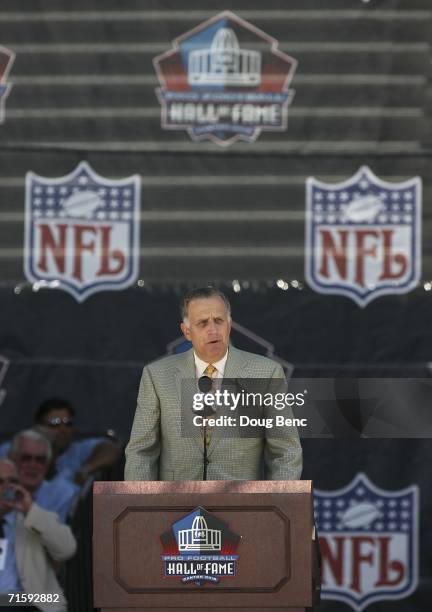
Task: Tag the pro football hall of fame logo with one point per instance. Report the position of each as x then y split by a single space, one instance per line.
224 80
200 549
368 541
6 61
363 236
82 231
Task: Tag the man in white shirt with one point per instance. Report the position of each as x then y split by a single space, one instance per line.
159 449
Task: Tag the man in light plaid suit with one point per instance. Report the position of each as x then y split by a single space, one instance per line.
158 448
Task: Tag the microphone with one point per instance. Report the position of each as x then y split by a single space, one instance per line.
205 384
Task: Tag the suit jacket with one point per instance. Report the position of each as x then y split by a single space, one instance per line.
41 540
159 449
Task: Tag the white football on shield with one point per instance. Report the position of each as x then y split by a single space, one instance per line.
82 203
360 515
363 209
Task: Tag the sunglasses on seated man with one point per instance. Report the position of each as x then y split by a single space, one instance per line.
9 480
57 421
27 457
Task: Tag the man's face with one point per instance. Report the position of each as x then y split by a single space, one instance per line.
32 463
60 423
208 327
8 477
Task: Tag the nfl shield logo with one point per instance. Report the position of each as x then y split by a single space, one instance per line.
363 236
82 231
368 541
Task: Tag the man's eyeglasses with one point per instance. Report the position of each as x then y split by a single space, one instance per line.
11 480
57 421
39 459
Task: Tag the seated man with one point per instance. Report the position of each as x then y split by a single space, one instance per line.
31 541
74 459
31 453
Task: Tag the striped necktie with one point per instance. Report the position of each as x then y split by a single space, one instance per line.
209 371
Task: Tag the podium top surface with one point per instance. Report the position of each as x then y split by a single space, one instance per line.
198 486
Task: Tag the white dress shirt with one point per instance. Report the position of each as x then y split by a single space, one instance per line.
201 365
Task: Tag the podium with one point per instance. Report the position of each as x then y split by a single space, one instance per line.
214 546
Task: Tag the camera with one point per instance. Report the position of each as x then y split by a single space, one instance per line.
9 494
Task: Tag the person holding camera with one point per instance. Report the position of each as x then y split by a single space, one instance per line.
32 542
31 453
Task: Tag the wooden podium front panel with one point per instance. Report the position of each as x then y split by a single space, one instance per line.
273 518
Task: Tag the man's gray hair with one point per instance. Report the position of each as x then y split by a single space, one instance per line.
202 293
34 436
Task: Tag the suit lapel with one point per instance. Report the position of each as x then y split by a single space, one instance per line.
20 543
235 364
185 371
186 384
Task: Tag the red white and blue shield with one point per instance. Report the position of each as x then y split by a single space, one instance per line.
225 80
368 541
82 231
363 236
